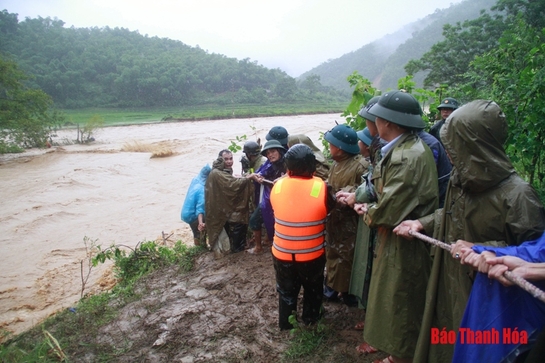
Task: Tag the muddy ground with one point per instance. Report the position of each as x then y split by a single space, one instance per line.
222 311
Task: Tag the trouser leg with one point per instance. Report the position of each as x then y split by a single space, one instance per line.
288 286
312 276
238 236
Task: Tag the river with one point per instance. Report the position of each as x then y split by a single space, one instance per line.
55 199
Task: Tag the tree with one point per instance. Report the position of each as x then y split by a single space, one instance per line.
449 60
515 79
26 117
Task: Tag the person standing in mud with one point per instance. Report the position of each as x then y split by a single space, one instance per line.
405 180
345 175
300 204
227 203
273 169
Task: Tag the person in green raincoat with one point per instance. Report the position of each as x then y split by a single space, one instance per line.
405 180
486 203
345 175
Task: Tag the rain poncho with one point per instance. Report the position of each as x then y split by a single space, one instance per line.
194 199
226 200
406 184
486 203
342 224
494 306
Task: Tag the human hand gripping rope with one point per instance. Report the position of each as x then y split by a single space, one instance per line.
517 280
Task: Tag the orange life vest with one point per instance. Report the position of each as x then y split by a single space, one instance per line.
300 212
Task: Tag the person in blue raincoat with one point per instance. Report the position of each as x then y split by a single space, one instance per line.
514 318
193 207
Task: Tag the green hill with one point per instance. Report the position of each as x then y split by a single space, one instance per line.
383 60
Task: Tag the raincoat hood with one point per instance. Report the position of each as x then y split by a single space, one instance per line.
203 174
219 163
473 137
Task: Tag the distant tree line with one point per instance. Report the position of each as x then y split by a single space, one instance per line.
105 67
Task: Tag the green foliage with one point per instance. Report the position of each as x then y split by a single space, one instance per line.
236 144
144 258
448 60
105 67
362 93
305 339
38 350
85 133
26 117
501 57
516 79
426 98
74 332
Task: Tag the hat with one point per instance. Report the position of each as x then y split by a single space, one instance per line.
448 102
343 137
365 136
278 133
400 108
364 112
272 144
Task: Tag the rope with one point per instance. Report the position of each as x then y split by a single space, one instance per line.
517 280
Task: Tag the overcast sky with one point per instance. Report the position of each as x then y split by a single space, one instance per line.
293 35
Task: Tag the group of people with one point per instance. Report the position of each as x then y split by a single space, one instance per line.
345 231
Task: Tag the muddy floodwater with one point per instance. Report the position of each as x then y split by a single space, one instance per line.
54 199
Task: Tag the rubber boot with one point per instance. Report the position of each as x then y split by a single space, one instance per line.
284 312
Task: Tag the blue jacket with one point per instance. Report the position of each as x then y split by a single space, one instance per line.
194 200
494 306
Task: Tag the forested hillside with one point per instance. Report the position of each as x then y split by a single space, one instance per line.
105 67
383 60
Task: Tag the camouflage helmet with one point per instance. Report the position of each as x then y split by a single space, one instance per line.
400 108
449 102
251 148
364 112
344 137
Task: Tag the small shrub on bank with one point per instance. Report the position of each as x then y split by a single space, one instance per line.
72 332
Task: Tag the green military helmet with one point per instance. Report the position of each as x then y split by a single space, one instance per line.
251 148
344 137
365 136
272 144
400 108
449 102
364 112
278 133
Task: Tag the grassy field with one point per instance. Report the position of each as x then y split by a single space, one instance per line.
200 112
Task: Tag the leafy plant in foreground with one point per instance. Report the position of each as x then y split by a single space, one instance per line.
305 339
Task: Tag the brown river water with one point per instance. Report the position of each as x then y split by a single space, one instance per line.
55 198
